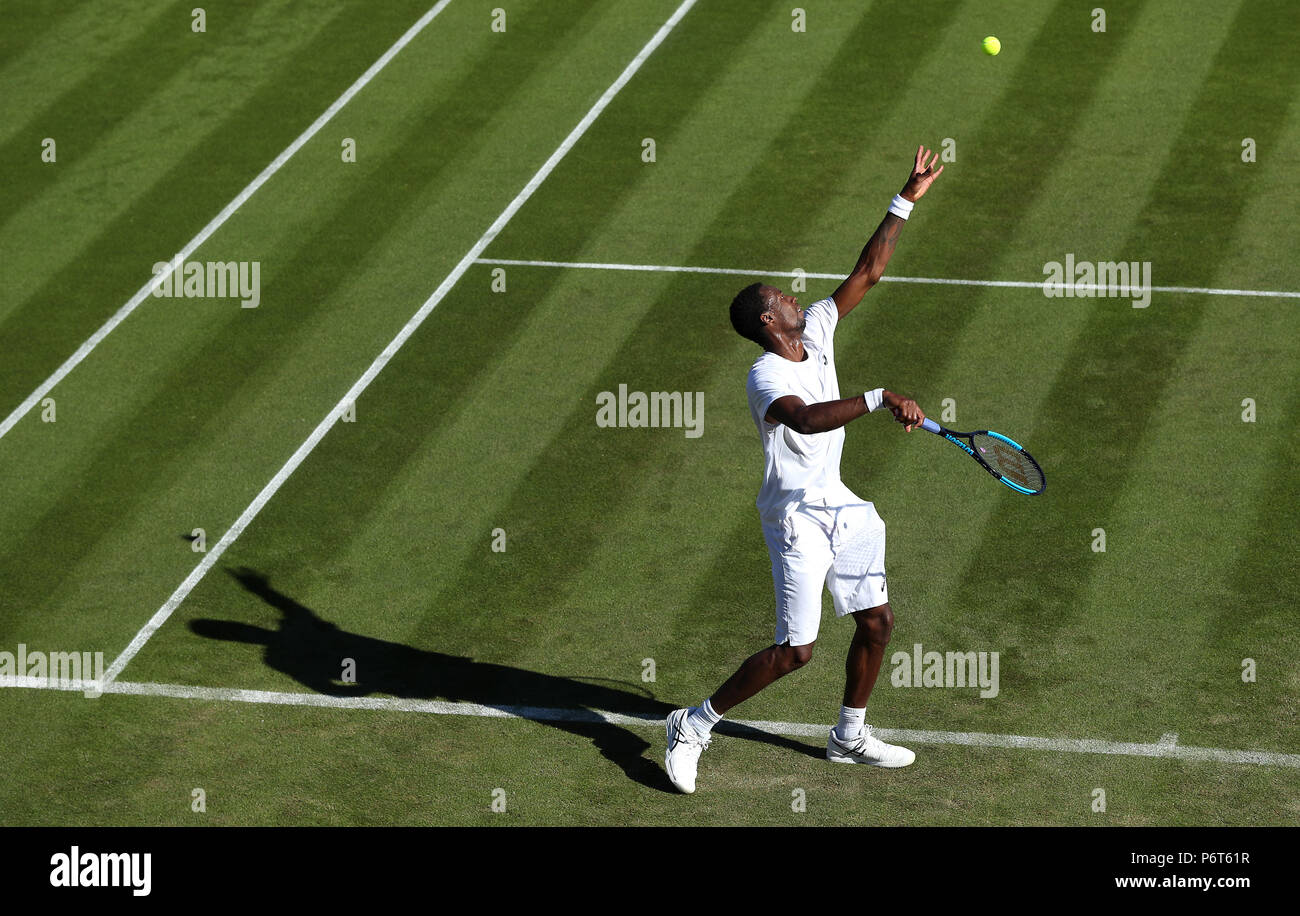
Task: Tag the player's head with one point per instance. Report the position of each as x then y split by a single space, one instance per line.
759 312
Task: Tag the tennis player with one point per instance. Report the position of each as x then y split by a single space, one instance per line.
817 531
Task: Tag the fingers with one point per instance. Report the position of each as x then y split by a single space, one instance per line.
925 161
909 414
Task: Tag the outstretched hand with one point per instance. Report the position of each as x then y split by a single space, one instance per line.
923 174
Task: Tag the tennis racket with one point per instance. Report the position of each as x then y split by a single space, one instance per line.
1004 458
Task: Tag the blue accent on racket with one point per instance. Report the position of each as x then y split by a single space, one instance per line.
1002 456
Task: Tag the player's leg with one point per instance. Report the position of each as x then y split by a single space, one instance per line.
689 729
800 552
801 556
866 652
857 585
758 671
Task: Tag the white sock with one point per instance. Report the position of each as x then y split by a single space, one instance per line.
851 721
702 718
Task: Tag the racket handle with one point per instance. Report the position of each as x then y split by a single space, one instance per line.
930 425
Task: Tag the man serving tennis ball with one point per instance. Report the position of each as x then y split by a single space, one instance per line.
817 530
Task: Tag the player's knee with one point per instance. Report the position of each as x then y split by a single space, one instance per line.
797 656
802 655
878 622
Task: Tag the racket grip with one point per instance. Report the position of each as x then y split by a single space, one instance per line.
930 425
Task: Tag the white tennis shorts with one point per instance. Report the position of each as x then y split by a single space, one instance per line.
842 547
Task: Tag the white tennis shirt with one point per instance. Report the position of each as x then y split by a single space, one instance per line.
798 468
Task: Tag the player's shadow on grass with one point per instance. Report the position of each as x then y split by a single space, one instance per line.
312 652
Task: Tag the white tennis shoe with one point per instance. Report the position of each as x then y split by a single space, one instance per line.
685 745
864 747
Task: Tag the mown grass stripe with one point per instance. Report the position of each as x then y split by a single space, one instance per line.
1260 567
28 24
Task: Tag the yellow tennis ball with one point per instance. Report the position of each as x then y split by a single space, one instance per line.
992 45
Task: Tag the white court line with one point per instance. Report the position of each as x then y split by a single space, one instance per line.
1019 284
216 223
1166 747
211 557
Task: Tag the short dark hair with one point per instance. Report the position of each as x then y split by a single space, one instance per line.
747 310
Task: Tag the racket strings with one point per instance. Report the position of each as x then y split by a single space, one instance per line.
1010 462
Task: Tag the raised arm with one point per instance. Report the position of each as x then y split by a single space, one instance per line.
827 415
880 247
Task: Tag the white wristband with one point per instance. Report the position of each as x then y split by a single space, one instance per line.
874 399
901 206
